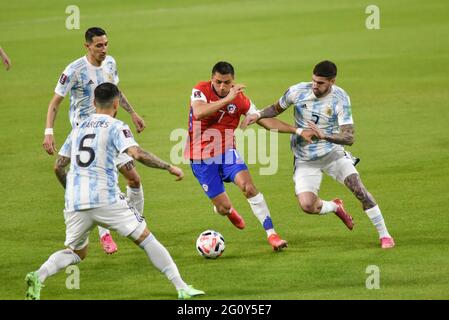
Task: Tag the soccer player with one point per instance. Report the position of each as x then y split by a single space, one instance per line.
215 111
325 108
5 59
92 196
79 79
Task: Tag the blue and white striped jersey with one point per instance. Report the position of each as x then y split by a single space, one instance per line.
92 148
80 78
328 113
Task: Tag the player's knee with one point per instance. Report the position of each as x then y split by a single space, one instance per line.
249 190
82 256
142 237
308 207
81 253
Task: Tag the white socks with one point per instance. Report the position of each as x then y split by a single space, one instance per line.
135 196
261 211
328 206
102 231
162 260
57 261
377 219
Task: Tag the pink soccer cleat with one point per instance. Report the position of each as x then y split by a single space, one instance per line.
387 242
276 242
342 214
108 244
236 219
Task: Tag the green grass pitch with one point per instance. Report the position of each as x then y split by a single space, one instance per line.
397 78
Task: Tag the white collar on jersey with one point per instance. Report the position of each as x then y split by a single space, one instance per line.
91 65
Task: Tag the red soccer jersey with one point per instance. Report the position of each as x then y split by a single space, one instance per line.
214 134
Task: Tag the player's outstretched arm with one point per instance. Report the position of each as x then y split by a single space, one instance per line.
5 59
152 161
60 171
49 140
344 137
137 120
202 109
269 112
282 127
275 124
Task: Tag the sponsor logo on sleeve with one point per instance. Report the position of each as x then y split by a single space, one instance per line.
127 133
197 94
63 79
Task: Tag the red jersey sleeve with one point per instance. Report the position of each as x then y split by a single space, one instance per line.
201 92
244 103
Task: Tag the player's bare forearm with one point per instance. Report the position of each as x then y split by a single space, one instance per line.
271 111
275 124
147 158
137 120
124 103
203 109
344 137
60 165
5 59
52 111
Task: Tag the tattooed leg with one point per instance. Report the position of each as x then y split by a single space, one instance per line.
371 208
356 186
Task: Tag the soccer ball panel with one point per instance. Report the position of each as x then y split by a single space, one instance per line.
210 244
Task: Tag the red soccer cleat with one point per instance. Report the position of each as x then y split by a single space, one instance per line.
276 242
342 214
387 242
236 219
108 244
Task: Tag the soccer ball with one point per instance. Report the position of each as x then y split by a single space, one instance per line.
210 244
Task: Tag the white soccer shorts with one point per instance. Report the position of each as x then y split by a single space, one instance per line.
308 174
119 217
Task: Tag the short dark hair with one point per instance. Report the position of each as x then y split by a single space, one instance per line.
105 93
326 69
94 32
223 67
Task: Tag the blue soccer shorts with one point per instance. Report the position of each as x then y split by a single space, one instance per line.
212 172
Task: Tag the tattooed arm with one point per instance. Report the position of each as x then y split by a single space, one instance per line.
344 137
271 111
152 161
137 120
60 165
